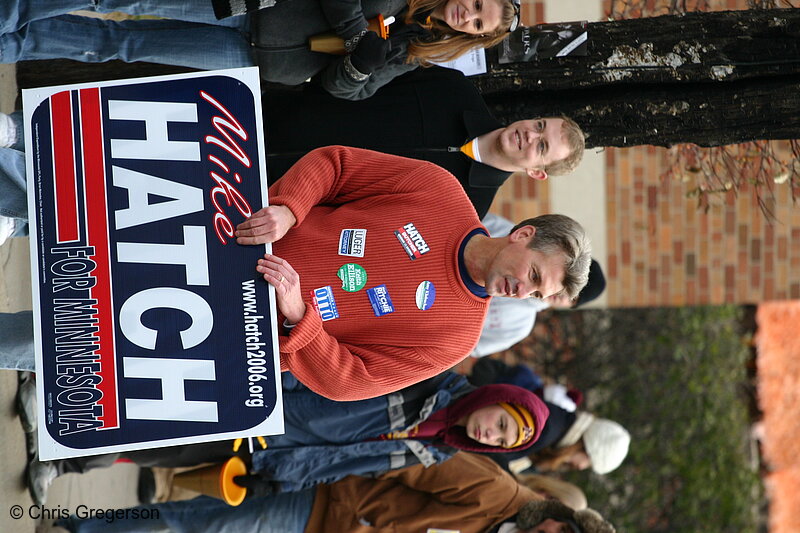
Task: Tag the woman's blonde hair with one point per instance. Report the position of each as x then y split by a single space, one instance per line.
446 43
555 489
552 459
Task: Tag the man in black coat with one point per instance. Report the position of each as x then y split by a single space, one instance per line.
434 114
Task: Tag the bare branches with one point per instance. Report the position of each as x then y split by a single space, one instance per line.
770 4
716 172
628 9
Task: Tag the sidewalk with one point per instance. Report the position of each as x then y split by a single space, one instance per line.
109 488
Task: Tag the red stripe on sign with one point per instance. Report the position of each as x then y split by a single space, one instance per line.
66 196
94 178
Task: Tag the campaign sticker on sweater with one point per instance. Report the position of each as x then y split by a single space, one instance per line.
353 277
426 294
325 303
412 241
380 301
352 242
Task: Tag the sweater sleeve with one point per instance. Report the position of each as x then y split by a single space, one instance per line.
336 175
340 84
345 16
346 372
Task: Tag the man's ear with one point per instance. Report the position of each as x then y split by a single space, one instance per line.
537 173
525 232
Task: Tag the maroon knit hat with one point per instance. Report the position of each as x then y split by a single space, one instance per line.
456 436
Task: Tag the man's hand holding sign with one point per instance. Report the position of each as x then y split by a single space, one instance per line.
268 225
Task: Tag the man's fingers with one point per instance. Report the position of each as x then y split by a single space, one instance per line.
258 232
278 268
266 225
258 239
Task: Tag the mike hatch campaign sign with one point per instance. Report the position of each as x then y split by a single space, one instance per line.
152 326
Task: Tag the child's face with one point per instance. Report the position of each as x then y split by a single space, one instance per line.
492 426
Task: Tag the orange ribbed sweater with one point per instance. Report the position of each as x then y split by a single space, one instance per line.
360 355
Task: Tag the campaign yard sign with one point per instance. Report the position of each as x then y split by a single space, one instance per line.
152 326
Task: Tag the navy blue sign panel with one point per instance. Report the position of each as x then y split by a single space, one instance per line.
154 327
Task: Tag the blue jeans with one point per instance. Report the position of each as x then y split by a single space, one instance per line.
13 192
281 513
16 341
41 29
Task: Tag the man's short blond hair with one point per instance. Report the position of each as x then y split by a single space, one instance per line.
576 141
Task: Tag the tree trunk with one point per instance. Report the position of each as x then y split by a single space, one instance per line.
707 114
707 78
695 47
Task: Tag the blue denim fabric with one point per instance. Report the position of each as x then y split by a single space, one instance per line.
311 419
13 195
325 440
16 329
41 29
14 14
16 341
281 513
306 466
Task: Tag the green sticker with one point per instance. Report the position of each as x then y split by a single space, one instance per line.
353 277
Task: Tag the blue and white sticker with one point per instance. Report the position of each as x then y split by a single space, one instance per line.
380 301
325 303
352 242
426 294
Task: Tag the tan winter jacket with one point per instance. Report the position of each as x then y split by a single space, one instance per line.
466 494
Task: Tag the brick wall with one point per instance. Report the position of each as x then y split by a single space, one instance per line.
532 12
663 250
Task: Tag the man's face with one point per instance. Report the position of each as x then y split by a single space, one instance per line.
517 271
531 145
550 526
493 426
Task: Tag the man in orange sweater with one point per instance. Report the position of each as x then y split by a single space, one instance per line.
382 271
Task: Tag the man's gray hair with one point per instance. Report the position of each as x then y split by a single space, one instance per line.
559 233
